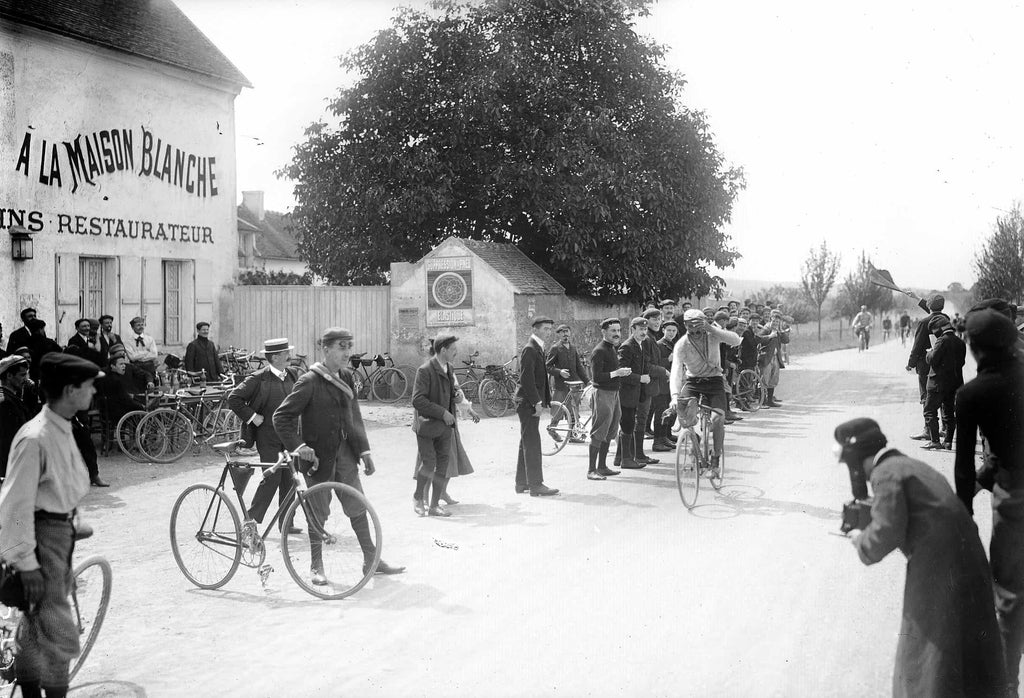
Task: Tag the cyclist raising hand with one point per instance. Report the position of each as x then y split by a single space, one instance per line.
697 370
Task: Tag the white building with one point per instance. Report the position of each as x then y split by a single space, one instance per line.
117 157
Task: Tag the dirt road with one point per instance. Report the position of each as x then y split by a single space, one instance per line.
611 589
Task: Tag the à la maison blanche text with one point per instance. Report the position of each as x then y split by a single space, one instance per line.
97 226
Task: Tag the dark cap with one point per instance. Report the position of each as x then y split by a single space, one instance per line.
443 340
936 303
67 369
721 315
862 436
652 313
667 301
997 304
937 322
563 328
610 321
116 351
637 322
670 323
201 325
36 324
12 362
541 320
989 329
335 334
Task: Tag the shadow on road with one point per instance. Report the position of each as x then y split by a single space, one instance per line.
602 500
480 514
748 499
111 689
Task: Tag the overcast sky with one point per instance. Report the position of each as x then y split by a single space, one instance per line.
889 127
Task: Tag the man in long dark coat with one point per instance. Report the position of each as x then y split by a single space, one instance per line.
201 354
532 395
949 640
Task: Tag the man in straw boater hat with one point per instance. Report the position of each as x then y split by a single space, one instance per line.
948 642
322 412
46 481
255 400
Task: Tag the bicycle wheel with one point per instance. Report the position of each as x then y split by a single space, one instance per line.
124 433
332 542
90 596
164 435
492 398
688 458
205 536
554 438
748 391
471 389
221 425
389 385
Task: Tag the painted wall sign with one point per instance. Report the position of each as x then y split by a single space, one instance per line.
449 291
90 156
97 226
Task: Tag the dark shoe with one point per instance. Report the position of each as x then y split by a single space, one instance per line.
438 511
661 446
771 403
420 507
521 489
318 578
554 435
383 568
542 491
632 465
648 432
292 530
448 500
933 446
594 475
712 471
735 417
922 437
607 472
948 446
97 482
671 438
647 460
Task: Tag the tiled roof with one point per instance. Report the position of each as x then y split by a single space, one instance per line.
153 29
274 236
509 261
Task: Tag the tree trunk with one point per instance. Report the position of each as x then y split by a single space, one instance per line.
819 324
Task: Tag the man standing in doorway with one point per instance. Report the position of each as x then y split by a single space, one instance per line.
533 394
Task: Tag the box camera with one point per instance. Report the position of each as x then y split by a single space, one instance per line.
856 514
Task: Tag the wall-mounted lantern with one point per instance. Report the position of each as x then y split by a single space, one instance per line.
21 244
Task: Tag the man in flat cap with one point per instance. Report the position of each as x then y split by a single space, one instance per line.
201 354
948 644
320 418
607 412
668 309
255 400
994 403
533 395
46 481
564 364
922 343
13 410
650 392
631 356
945 376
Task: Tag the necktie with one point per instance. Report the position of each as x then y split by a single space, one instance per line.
139 341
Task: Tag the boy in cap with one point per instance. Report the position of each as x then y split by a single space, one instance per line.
320 418
13 411
994 403
46 481
948 645
532 395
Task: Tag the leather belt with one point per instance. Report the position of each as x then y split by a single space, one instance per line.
52 516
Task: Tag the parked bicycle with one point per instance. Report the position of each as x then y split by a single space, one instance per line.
90 597
498 389
571 419
469 376
198 416
694 452
209 541
750 392
385 382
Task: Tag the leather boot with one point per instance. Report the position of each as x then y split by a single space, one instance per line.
618 451
629 461
770 400
663 445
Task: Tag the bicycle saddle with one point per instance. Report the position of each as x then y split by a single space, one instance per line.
574 384
227 446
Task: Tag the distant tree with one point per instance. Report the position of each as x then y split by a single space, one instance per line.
551 125
260 277
791 299
857 290
1000 263
955 287
818 275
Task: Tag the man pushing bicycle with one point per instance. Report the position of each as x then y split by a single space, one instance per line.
697 358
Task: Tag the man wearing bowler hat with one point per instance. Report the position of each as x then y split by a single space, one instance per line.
320 418
532 395
255 400
46 481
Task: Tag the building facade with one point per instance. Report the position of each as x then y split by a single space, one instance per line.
117 159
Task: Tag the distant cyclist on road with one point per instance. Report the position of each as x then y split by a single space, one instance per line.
862 324
904 326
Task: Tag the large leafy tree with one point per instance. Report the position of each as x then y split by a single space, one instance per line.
818 275
549 124
1000 263
857 290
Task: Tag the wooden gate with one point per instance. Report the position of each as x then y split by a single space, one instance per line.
300 313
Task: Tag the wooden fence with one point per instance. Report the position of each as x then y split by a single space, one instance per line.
300 313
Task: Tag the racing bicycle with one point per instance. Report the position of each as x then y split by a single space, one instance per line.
694 452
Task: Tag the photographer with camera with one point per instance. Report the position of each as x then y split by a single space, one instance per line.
948 641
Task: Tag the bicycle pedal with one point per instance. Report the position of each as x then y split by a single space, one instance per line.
264 572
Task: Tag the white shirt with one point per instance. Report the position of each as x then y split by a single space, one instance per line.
538 340
699 359
45 472
147 352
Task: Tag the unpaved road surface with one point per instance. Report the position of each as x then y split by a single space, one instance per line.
611 589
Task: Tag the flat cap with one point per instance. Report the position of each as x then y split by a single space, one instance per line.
562 328
609 321
443 340
997 304
10 362
652 313
862 433
670 323
638 322
666 302
335 334
990 329
693 314
936 303
721 315
937 322
136 319
67 368
541 320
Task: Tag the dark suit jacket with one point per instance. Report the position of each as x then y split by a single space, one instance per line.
561 356
657 370
262 393
325 419
922 341
631 355
432 396
19 338
78 346
947 363
665 347
533 377
201 354
13 414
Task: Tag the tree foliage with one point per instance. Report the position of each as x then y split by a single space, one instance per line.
261 277
791 298
857 290
548 124
1000 263
817 276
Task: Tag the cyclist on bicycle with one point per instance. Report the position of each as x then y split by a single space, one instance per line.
697 358
862 324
